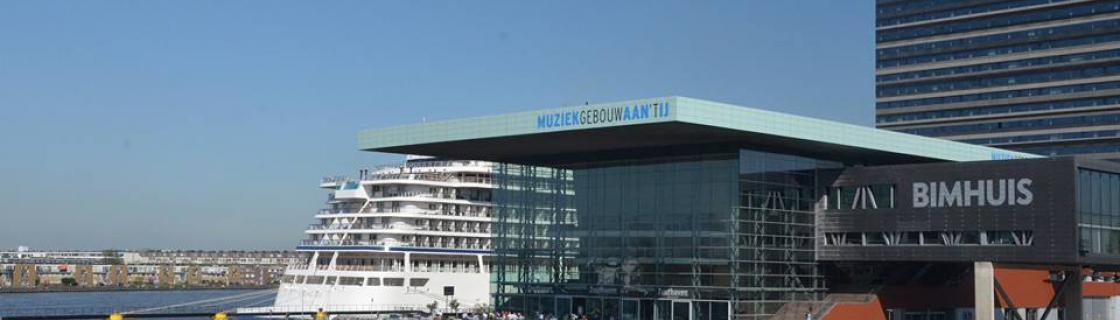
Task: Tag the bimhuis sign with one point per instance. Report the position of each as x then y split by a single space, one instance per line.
993 185
973 193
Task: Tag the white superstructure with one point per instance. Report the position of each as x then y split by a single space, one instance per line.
398 237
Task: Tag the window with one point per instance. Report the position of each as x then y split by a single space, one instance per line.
417 282
998 238
314 279
350 281
864 197
930 238
394 282
969 237
373 282
901 238
853 239
875 238
956 238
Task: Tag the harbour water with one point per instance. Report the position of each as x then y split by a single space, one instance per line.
16 304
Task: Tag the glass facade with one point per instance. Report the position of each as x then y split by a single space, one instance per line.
703 236
940 63
1098 208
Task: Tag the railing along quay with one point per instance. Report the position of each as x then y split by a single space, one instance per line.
97 312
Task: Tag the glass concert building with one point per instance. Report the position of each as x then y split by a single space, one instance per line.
680 208
1039 76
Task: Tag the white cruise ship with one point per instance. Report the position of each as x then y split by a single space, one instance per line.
397 238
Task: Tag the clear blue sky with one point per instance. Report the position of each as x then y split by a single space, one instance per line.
207 125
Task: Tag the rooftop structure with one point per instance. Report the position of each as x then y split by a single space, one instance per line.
674 207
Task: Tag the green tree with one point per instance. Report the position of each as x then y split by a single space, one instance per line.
454 305
70 282
432 307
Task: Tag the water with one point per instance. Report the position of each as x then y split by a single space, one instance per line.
15 304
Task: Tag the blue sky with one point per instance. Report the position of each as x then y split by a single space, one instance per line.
207 124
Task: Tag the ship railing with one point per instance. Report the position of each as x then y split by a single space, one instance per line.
331 243
353 226
227 304
339 211
357 211
448 229
342 243
285 309
335 179
361 268
438 268
473 214
373 176
446 163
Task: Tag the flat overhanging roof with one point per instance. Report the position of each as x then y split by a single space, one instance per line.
549 135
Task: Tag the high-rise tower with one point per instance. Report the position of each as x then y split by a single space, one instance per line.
1040 76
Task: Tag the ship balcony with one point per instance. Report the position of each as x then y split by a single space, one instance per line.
339 211
357 226
389 178
324 213
371 268
339 243
427 195
421 244
466 230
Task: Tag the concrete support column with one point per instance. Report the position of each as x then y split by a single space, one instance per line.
984 290
1071 297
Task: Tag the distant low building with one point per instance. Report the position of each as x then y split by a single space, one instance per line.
25 268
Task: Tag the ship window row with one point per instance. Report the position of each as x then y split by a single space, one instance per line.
904 6
419 264
378 223
930 238
994 66
998 21
458 210
1014 125
986 82
406 241
1002 109
1046 137
887 62
469 177
995 39
1038 92
355 281
470 194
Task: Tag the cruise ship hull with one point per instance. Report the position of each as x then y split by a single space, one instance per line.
471 290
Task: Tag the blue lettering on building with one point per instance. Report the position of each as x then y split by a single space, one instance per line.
603 115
